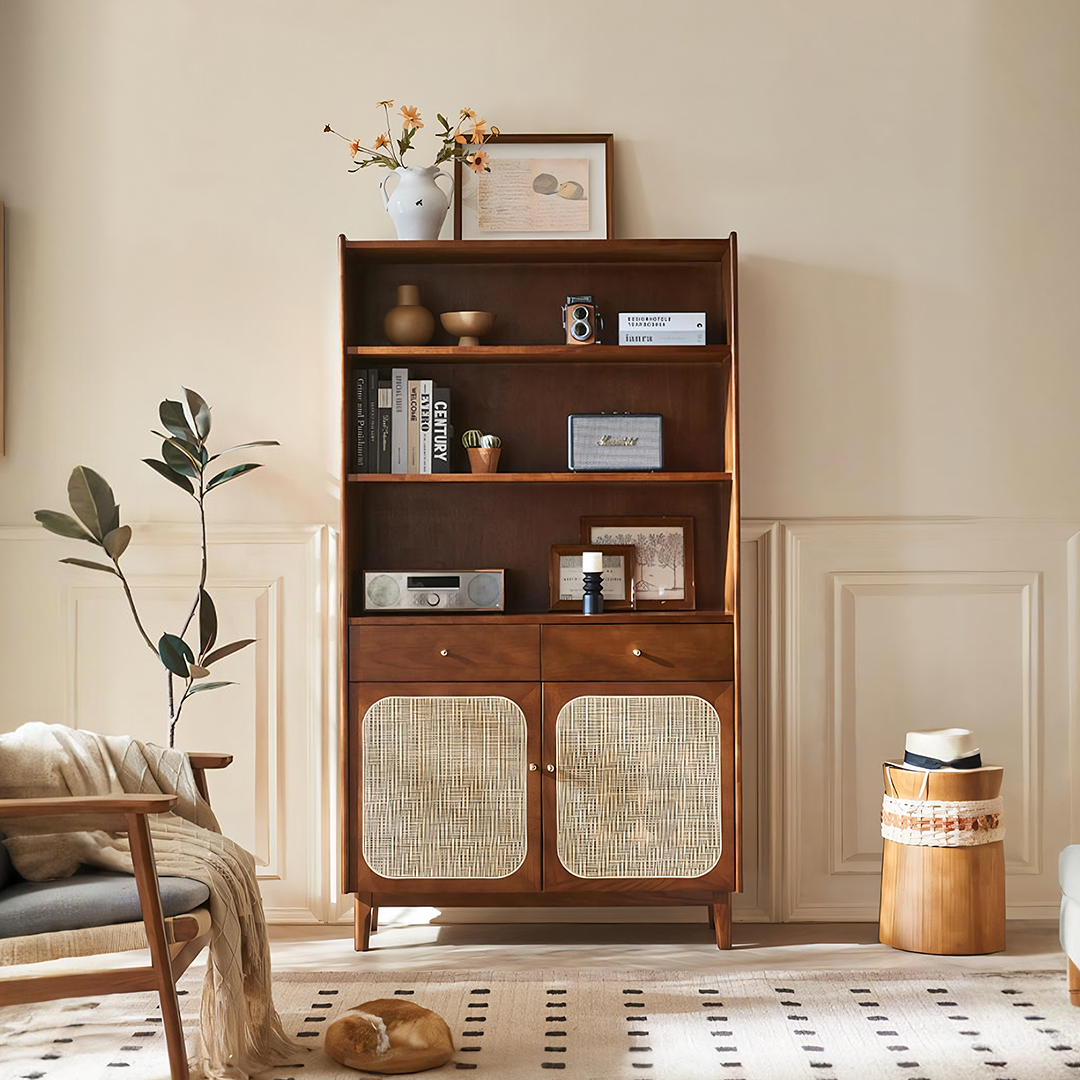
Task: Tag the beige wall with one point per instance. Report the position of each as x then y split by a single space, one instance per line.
902 177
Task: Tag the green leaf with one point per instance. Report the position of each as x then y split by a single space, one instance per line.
178 459
90 565
243 446
230 474
169 474
226 650
116 542
207 623
172 416
92 500
175 654
197 413
63 525
200 687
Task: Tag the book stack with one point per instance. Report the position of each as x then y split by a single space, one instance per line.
661 327
402 425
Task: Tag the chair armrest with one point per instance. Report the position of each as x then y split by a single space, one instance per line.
87 804
201 762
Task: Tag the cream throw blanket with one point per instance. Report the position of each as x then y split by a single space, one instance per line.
240 1031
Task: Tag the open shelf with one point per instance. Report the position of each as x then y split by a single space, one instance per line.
405 618
533 354
541 478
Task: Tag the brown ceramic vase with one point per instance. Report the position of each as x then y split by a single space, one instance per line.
409 323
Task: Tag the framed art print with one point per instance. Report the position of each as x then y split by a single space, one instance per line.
566 585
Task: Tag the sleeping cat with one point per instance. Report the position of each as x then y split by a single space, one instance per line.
389 1035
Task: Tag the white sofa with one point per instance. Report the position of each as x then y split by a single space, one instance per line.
1069 876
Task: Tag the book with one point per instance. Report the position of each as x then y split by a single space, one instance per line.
413 406
372 410
360 419
383 426
399 432
441 431
661 327
661 337
424 454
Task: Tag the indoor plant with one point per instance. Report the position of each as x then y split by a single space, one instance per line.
483 451
186 461
417 205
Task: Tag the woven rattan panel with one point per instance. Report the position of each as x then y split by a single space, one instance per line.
444 787
638 787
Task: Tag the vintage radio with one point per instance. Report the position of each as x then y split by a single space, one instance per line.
615 442
452 591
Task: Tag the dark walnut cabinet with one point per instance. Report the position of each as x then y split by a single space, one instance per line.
531 757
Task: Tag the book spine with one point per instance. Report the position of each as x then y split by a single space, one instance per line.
399 437
662 320
371 420
360 415
383 453
441 431
425 425
413 456
661 337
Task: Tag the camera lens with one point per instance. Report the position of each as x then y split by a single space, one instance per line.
580 313
579 330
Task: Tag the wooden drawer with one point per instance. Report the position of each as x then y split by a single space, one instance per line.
646 652
444 654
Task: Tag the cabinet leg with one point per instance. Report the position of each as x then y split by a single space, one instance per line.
362 922
374 917
1074 983
720 917
712 916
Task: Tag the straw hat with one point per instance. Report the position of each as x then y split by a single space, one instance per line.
942 749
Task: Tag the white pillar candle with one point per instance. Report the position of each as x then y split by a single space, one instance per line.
592 562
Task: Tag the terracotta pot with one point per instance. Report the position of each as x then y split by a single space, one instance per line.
409 323
484 458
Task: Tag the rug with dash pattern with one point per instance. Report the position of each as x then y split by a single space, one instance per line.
615 1025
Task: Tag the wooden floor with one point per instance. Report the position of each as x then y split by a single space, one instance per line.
411 941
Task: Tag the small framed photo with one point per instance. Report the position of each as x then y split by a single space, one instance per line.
664 548
540 187
565 576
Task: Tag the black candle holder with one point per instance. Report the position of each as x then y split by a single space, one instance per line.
593 600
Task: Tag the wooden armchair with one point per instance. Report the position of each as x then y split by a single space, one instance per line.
173 941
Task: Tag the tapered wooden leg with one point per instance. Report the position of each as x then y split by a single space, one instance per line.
1074 984
362 922
374 917
712 916
721 920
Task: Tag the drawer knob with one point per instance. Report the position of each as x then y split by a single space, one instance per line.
533 766
636 652
551 768
444 652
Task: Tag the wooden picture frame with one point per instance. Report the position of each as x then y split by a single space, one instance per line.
664 547
562 554
521 201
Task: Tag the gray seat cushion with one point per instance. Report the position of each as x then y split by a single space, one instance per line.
100 898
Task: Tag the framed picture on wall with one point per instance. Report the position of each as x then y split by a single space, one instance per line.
540 187
566 584
664 549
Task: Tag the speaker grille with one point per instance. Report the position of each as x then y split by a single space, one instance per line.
444 787
638 792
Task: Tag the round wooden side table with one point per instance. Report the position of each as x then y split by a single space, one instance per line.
943 900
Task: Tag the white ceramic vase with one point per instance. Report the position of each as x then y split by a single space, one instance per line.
417 205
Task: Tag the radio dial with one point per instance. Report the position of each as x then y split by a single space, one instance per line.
433 599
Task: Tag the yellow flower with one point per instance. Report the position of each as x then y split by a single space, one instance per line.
479 132
478 162
459 138
468 114
380 142
412 117
384 104
354 146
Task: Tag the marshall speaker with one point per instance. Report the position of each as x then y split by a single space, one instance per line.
615 442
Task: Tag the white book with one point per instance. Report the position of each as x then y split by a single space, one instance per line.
412 404
661 337
399 424
662 320
426 388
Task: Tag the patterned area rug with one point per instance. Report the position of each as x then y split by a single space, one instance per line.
611 1025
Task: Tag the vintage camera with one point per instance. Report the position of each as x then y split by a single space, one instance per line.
581 321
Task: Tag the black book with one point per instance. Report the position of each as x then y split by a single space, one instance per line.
384 425
372 403
441 431
360 418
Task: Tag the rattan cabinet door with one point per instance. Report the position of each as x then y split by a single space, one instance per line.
639 786
445 797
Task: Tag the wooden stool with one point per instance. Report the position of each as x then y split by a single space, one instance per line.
943 900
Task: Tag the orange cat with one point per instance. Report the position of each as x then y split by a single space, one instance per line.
389 1035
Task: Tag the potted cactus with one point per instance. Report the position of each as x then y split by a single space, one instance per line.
484 451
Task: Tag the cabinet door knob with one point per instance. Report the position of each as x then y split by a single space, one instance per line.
636 652
533 766
551 768
444 652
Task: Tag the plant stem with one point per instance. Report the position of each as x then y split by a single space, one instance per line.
202 575
172 714
131 604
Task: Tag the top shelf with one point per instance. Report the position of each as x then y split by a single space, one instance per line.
567 354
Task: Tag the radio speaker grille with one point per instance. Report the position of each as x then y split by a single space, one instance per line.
444 787
638 792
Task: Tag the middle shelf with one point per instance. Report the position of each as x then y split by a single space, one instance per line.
541 478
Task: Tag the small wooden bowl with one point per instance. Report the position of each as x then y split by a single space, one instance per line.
469 326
